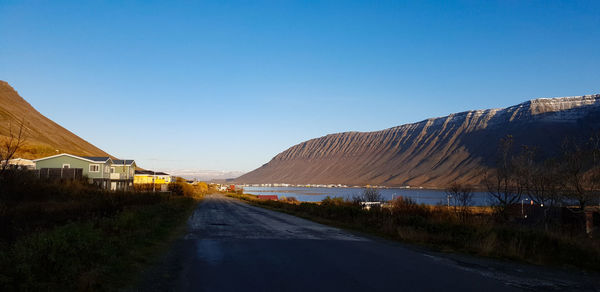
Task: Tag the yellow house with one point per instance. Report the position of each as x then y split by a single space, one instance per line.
149 177
163 178
141 177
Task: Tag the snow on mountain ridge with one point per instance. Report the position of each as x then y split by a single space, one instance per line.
544 105
557 108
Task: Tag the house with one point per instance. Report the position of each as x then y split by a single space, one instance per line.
122 173
150 176
21 163
142 177
163 178
98 170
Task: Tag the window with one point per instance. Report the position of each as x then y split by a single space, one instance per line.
94 168
66 166
112 170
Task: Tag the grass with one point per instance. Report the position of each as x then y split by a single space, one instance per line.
438 228
80 238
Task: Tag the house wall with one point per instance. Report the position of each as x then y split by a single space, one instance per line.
127 169
142 179
147 179
58 162
162 179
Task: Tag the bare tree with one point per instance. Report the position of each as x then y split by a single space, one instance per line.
371 195
580 171
11 144
503 184
544 183
540 180
462 197
524 167
594 173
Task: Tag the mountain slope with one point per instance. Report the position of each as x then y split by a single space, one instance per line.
434 152
43 136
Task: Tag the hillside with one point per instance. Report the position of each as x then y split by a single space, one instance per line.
43 136
434 152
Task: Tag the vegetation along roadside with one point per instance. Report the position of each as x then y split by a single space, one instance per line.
71 236
448 230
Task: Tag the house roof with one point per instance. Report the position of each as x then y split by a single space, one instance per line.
149 172
137 171
125 162
88 159
97 159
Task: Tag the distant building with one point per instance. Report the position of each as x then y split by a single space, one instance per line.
143 177
21 163
152 177
164 178
123 171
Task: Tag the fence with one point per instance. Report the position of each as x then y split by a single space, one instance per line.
59 173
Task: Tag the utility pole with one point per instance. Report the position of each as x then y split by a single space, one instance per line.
523 208
126 182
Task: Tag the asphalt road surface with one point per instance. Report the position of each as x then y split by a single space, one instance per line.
232 246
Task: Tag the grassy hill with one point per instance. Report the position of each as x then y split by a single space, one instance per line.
43 136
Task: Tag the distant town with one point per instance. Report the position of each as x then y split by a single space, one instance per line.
285 185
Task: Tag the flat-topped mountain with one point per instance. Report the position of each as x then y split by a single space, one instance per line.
434 152
43 136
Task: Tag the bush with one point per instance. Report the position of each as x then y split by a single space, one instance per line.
182 188
291 200
336 201
201 188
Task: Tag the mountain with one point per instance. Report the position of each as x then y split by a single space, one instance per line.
434 152
43 136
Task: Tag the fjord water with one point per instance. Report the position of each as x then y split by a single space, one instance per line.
420 196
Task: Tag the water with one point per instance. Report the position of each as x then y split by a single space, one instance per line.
421 196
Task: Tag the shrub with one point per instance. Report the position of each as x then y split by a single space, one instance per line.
182 188
336 201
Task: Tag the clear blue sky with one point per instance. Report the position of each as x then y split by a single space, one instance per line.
227 85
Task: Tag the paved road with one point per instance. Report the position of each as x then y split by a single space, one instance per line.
232 246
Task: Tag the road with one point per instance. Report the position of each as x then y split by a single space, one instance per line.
232 246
